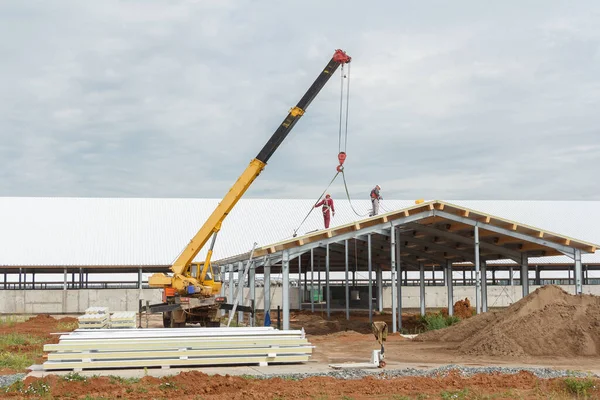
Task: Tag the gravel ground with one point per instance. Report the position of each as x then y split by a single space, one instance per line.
7 380
545 373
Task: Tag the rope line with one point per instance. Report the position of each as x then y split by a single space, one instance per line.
316 202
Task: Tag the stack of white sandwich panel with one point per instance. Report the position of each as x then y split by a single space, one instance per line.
139 348
123 319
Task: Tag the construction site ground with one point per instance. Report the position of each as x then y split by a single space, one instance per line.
337 340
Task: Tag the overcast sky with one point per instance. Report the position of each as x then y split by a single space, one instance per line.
448 100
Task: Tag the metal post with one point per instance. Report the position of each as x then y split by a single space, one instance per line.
586 280
139 278
393 276
525 274
422 286
285 271
510 276
537 275
240 290
578 272
230 290
379 278
267 287
327 299
222 293
464 277
449 286
493 276
370 266
300 294
347 283
80 278
64 279
5 280
319 296
312 281
484 296
399 280
477 273
20 272
252 285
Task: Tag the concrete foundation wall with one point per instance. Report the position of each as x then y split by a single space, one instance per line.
73 301
76 301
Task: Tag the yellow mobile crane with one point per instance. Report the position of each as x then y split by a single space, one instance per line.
196 283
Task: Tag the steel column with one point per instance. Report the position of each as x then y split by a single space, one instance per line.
399 280
464 277
267 287
510 276
537 275
450 287
477 273
252 286
422 286
230 300
347 284
484 297
370 266
64 279
327 300
20 272
240 290
300 294
285 271
379 278
578 272
525 274
312 281
393 276
222 292
139 278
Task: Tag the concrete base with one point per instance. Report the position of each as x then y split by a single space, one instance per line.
76 301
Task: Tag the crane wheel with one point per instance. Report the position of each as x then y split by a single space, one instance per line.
381 364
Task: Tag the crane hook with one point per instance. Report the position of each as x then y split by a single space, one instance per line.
341 159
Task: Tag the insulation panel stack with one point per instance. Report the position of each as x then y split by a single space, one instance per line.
123 319
93 321
181 347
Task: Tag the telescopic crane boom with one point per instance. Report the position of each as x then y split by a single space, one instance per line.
200 283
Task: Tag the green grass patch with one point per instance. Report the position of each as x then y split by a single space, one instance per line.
16 361
18 339
74 377
579 387
433 321
11 320
455 395
123 381
67 326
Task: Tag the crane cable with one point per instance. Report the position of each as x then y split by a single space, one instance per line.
342 145
342 149
315 205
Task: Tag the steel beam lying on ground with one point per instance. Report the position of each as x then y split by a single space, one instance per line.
131 348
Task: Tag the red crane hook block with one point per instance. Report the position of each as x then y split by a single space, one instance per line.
341 159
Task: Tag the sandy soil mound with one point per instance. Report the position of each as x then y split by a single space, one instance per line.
548 322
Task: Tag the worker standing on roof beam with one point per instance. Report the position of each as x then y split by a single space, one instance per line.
328 209
375 198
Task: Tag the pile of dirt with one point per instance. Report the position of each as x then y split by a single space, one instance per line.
216 387
462 309
548 322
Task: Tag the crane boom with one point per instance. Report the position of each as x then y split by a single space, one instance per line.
182 281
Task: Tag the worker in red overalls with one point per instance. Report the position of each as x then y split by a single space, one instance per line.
328 209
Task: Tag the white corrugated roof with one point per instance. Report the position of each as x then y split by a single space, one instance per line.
138 232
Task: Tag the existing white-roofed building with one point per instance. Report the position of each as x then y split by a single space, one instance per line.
152 232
